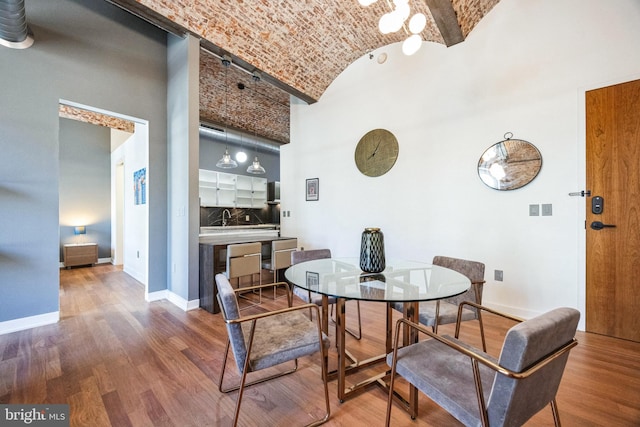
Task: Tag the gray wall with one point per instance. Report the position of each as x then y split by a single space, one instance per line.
85 184
80 54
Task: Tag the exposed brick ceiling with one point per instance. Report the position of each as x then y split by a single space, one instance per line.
81 115
299 46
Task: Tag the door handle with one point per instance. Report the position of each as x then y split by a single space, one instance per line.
597 225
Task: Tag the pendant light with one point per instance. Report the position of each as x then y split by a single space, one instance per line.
226 162
256 168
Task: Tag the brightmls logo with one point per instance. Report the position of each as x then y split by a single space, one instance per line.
34 415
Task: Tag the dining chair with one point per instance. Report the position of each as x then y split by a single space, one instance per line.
316 298
440 312
269 339
280 257
243 259
478 389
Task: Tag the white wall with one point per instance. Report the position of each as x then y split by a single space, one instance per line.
136 217
524 69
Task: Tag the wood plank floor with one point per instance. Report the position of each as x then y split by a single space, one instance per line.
120 361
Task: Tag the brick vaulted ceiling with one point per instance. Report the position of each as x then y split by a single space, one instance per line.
299 47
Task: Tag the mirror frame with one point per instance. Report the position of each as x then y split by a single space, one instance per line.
509 164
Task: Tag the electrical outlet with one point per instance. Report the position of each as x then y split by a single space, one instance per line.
247 218
534 210
497 275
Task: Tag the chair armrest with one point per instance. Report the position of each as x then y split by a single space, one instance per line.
254 317
477 355
483 308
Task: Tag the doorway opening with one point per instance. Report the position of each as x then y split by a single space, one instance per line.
98 185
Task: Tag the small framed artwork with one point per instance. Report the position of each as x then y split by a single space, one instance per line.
140 186
313 280
312 189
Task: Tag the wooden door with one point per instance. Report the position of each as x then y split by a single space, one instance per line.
613 173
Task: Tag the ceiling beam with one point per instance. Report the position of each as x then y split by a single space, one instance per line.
445 17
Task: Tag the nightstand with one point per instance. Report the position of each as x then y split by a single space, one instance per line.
80 254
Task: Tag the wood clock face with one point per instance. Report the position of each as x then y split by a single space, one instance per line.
376 152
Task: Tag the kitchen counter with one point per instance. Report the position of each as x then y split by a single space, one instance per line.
257 229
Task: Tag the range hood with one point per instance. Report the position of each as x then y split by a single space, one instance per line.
273 193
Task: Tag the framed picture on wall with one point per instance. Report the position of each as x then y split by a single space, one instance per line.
312 188
140 186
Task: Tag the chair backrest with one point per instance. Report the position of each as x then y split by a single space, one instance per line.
302 256
231 311
472 269
513 401
281 253
243 259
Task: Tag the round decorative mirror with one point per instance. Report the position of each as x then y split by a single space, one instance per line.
509 164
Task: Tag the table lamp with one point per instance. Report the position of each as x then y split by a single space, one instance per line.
79 229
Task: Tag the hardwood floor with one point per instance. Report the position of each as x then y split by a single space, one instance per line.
120 361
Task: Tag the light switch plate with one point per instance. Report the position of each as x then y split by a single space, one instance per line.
547 209
534 210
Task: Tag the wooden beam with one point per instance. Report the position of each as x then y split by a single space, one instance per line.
445 17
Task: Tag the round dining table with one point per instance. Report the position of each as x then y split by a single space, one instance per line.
403 283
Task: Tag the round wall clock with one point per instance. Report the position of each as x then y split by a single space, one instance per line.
376 152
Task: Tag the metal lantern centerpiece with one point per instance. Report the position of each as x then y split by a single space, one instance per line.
372 251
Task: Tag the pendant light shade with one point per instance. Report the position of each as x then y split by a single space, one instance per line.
256 168
226 162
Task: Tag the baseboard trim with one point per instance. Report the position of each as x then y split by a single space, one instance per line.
182 303
514 311
23 323
174 299
156 296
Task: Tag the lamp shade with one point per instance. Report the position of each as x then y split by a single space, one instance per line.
417 23
412 44
80 229
256 168
226 162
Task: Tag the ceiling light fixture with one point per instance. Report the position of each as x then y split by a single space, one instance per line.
256 168
395 20
226 162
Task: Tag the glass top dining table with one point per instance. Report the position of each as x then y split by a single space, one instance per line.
405 282
402 281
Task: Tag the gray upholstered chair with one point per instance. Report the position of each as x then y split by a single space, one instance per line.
478 389
313 297
434 313
269 339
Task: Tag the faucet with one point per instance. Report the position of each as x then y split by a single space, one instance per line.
224 221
